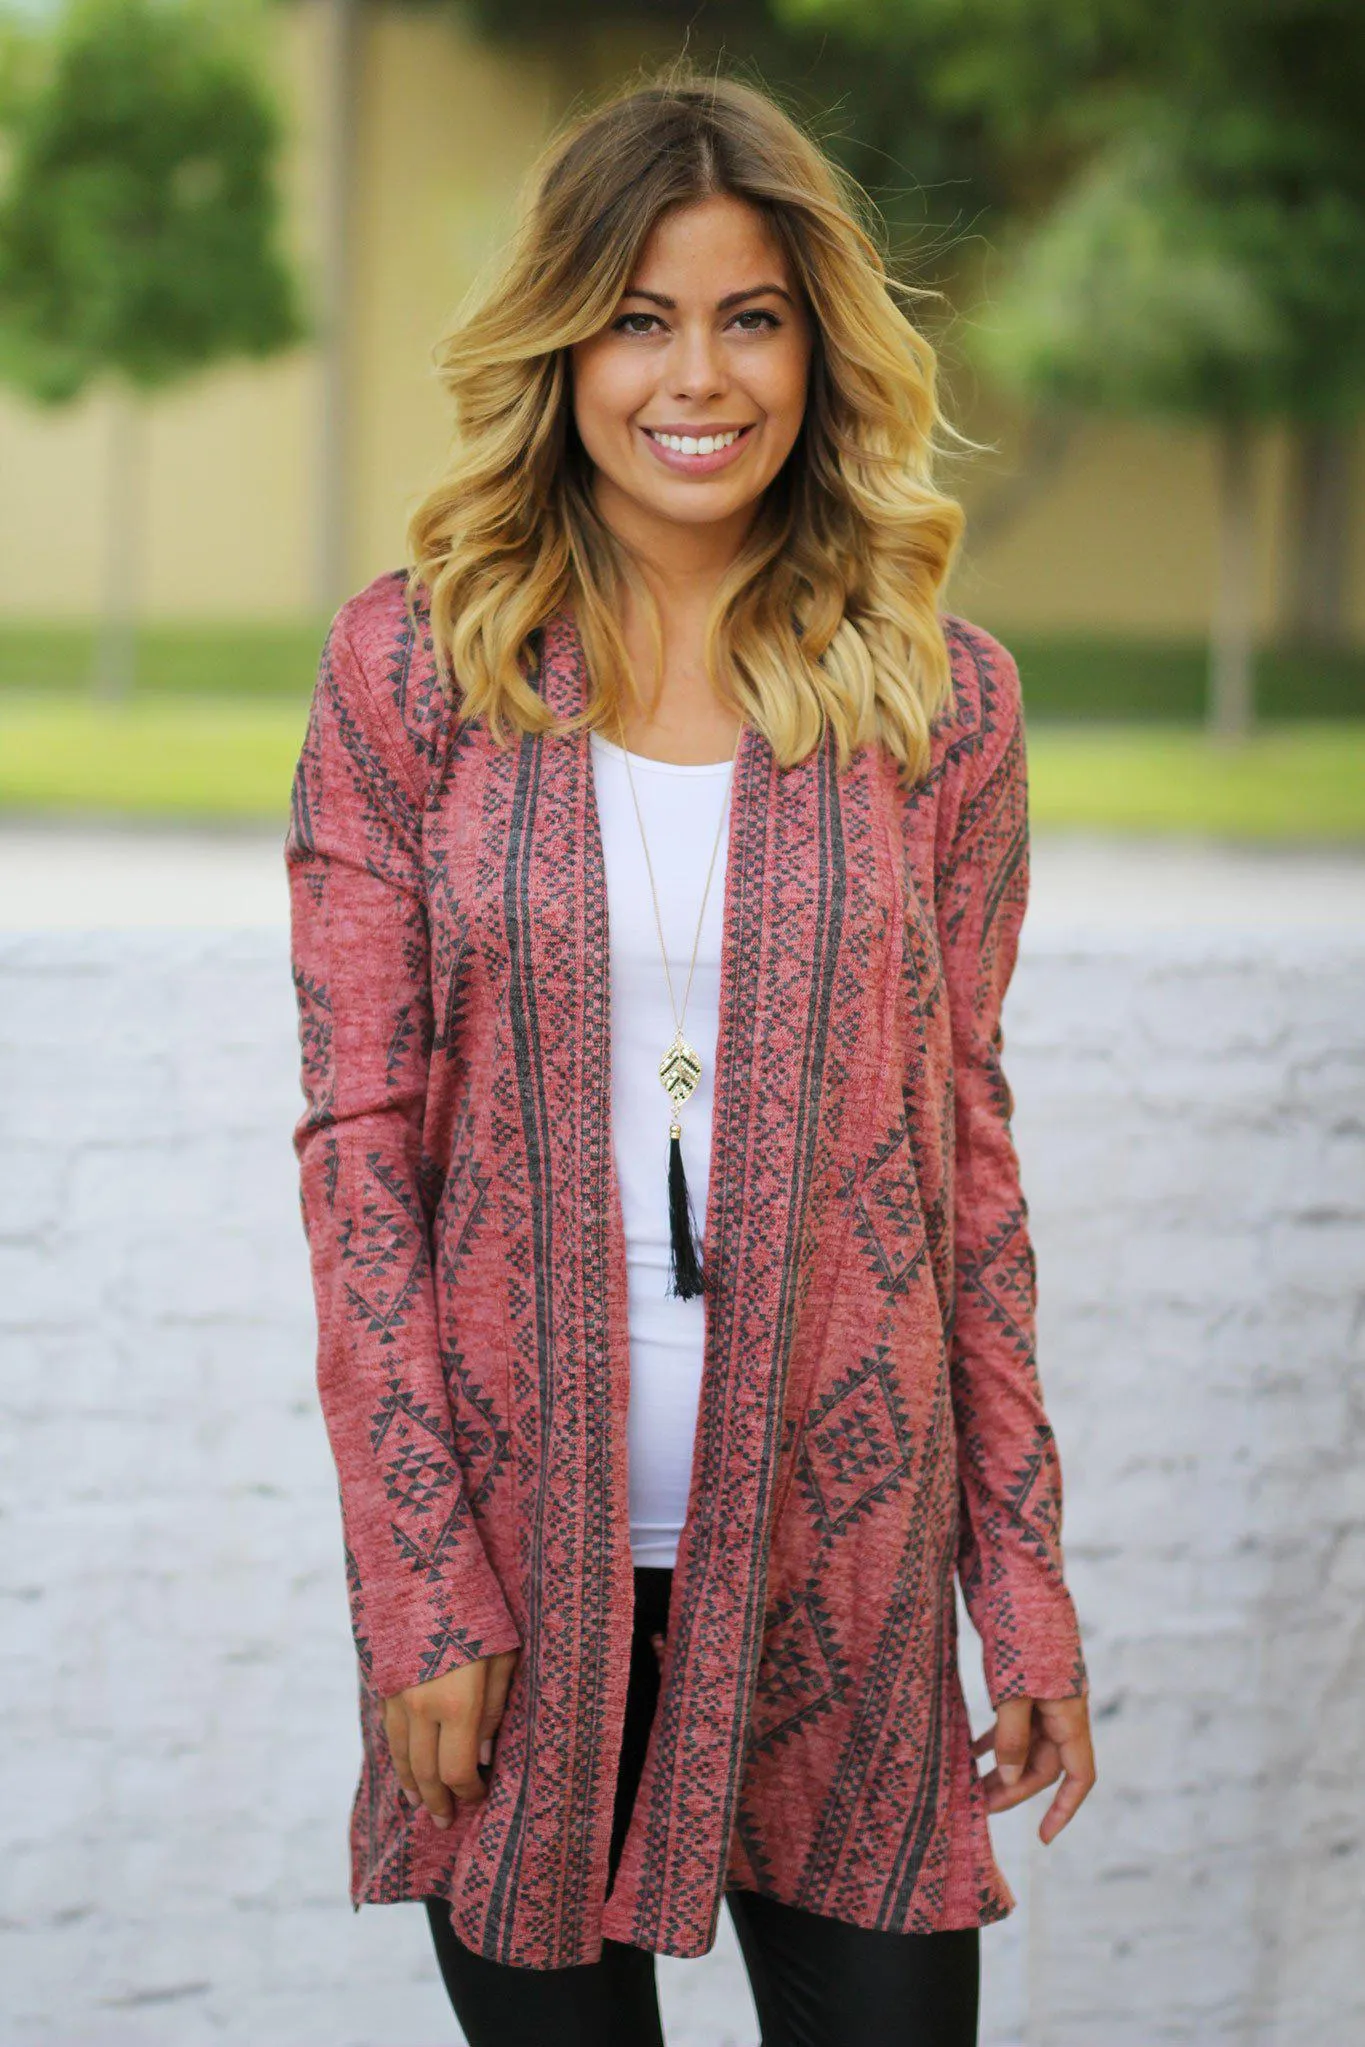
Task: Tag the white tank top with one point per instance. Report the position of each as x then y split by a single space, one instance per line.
681 807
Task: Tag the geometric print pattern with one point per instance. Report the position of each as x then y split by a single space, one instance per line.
802 1671
856 1445
870 1425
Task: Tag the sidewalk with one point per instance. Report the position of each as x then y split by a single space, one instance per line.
1191 1114
1184 1041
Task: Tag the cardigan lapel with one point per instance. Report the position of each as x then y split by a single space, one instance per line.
794 954
783 928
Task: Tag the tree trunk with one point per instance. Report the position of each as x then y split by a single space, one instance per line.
125 513
1047 438
340 94
1319 535
1231 682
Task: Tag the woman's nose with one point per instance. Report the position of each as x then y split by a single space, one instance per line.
695 368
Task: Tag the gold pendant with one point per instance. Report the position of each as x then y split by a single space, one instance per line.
679 1070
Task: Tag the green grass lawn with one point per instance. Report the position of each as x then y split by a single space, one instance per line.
212 758
1290 783
232 759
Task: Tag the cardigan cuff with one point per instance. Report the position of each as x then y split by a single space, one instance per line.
426 1639
1036 1655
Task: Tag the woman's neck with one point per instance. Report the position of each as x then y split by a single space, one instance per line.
682 566
678 716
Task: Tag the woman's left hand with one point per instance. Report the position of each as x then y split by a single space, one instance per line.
1036 1741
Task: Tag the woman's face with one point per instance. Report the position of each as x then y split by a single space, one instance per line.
710 340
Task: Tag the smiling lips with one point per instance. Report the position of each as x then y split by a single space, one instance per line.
697 454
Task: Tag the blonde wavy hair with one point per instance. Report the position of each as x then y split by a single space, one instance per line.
828 615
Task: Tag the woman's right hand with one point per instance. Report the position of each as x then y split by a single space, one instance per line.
439 1732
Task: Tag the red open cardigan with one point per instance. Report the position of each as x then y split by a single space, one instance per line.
870 1419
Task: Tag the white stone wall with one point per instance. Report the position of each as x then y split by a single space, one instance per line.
179 1693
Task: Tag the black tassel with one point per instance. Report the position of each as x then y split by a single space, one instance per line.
686 1278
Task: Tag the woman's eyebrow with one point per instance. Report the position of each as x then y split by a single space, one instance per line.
732 298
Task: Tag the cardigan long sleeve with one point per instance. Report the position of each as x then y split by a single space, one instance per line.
424 1598
1010 1557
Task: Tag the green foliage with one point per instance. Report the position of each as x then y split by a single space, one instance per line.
139 218
1197 240
1013 64
1128 298
20 62
929 170
1177 276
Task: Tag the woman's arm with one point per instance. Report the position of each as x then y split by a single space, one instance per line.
424 1598
1010 1555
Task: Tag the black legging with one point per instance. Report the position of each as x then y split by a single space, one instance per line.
816 1982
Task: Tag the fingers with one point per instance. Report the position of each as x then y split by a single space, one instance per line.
457 1761
1016 1775
424 1756
500 1669
1035 1743
1013 1731
396 1729
1078 1764
433 1732
1043 1768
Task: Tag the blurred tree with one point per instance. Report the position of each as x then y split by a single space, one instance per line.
20 60
138 224
1128 299
1206 252
931 170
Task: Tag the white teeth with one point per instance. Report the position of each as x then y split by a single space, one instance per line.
688 444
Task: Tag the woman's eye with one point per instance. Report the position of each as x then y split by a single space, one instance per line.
622 324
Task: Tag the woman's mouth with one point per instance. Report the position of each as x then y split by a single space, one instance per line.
698 454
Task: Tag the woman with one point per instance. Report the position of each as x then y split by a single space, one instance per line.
657 861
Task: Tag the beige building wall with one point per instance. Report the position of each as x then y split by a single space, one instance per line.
1118 536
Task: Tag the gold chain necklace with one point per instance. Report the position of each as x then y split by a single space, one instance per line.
680 1069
